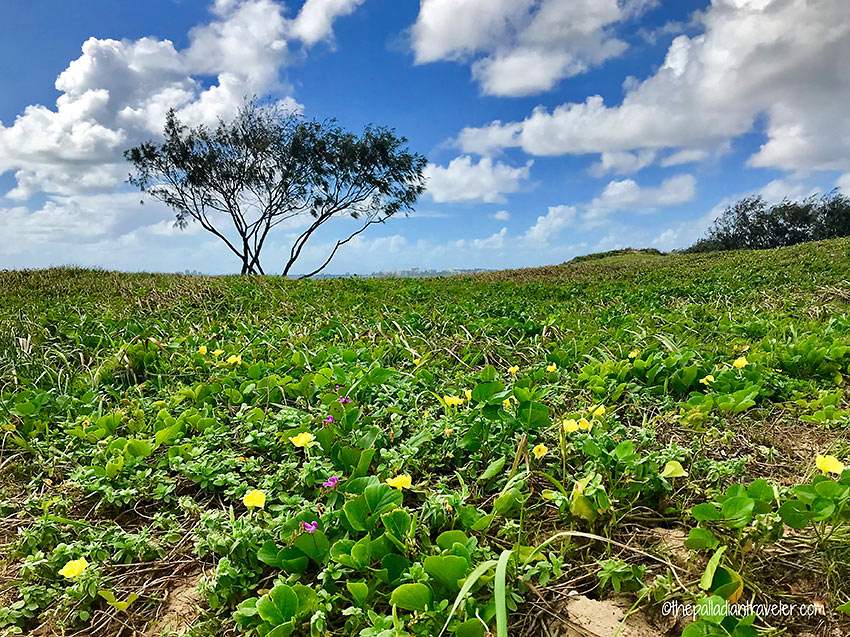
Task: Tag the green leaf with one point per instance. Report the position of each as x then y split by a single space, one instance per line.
483 392
533 415
308 599
108 596
358 485
705 511
322 377
114 466
673 469
381 498
711 567
168 435
379 376
362 512
398 523
471 628
395 565
447 569
359 591
314 545
292 560
493 469
278 606
761 490
738 511
727 584
580 505
284 630
488 373
268 554
700 539
711 609
625 451
415 597
508 502
341 553
361 552
139 448
447 539
483 523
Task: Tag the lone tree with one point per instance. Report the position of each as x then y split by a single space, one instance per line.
268 166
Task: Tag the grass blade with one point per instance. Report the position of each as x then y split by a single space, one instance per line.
501 593
473 577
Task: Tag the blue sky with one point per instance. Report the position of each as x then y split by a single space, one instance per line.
552 127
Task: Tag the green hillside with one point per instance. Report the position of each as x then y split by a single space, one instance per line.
264 456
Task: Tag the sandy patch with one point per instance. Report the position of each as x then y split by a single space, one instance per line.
593 618
179 610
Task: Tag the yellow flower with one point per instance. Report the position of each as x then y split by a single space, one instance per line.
453 401
740 363
202 350
304 439
447 432
599 411
74 568
507 402
426 413
255 498
400 482
570 426
513 369
468 394
707 380
539 451
634 353
234 359
584 424
416 361
218 352
551 367
829 464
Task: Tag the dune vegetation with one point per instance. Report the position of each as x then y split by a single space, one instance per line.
189 455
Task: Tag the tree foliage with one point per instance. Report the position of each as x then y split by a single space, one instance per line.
751 224
269 166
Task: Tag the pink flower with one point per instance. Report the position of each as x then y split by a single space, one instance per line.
310 527
344 400
331 482
328 420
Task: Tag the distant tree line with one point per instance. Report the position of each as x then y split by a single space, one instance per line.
615 253
751 224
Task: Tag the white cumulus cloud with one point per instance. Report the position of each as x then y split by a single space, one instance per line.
622 162
315 19
548 226
785 59
628 195
116 93
465 180
521 47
